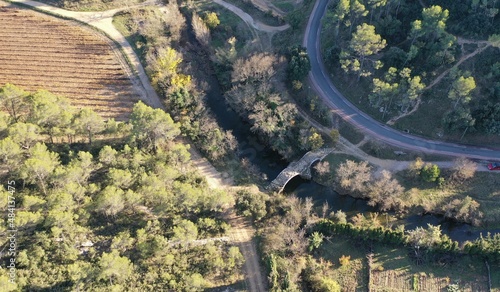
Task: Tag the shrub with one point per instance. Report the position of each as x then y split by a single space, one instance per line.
344 260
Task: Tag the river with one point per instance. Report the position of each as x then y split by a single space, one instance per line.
301 188
270 164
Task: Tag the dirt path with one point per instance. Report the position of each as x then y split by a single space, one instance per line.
266 6
241 234
461 42
249 19
463 59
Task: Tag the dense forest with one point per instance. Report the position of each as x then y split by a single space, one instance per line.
252 79
420 60
99 205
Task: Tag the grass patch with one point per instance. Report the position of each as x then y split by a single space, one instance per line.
349 132
483 188
394 270
264 17
384 151
351 276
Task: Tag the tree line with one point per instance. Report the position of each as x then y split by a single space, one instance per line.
157 36
384 190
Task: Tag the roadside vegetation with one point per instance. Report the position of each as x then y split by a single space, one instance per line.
425 67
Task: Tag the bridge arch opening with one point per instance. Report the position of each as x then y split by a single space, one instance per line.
292 184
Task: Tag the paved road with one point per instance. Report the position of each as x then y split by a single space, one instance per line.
336 101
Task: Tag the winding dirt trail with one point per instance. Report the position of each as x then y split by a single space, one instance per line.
463 59
461 41
249 19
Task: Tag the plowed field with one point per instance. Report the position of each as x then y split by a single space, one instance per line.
42 52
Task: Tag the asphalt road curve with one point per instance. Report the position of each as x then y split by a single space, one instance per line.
336 101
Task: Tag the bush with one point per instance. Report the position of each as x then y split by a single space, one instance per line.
344 260
251 203
211 20
430 172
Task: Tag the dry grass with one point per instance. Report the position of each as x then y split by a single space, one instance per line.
483 188
403 281
351 277
393 270
399 273
42 52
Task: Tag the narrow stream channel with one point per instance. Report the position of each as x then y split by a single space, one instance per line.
270 164
303 188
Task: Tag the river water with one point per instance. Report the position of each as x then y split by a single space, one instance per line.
303 188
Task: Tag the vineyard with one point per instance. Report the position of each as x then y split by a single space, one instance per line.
403 281
42 52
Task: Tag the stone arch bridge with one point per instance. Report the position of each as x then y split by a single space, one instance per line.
301 167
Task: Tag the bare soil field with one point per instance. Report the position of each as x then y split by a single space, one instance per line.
42 52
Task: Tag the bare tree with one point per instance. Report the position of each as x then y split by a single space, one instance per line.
322 167
385 192
352 178
201 31
174 20
259 67
466 210
415 167
463 169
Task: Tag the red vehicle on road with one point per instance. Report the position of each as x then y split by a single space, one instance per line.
494 166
